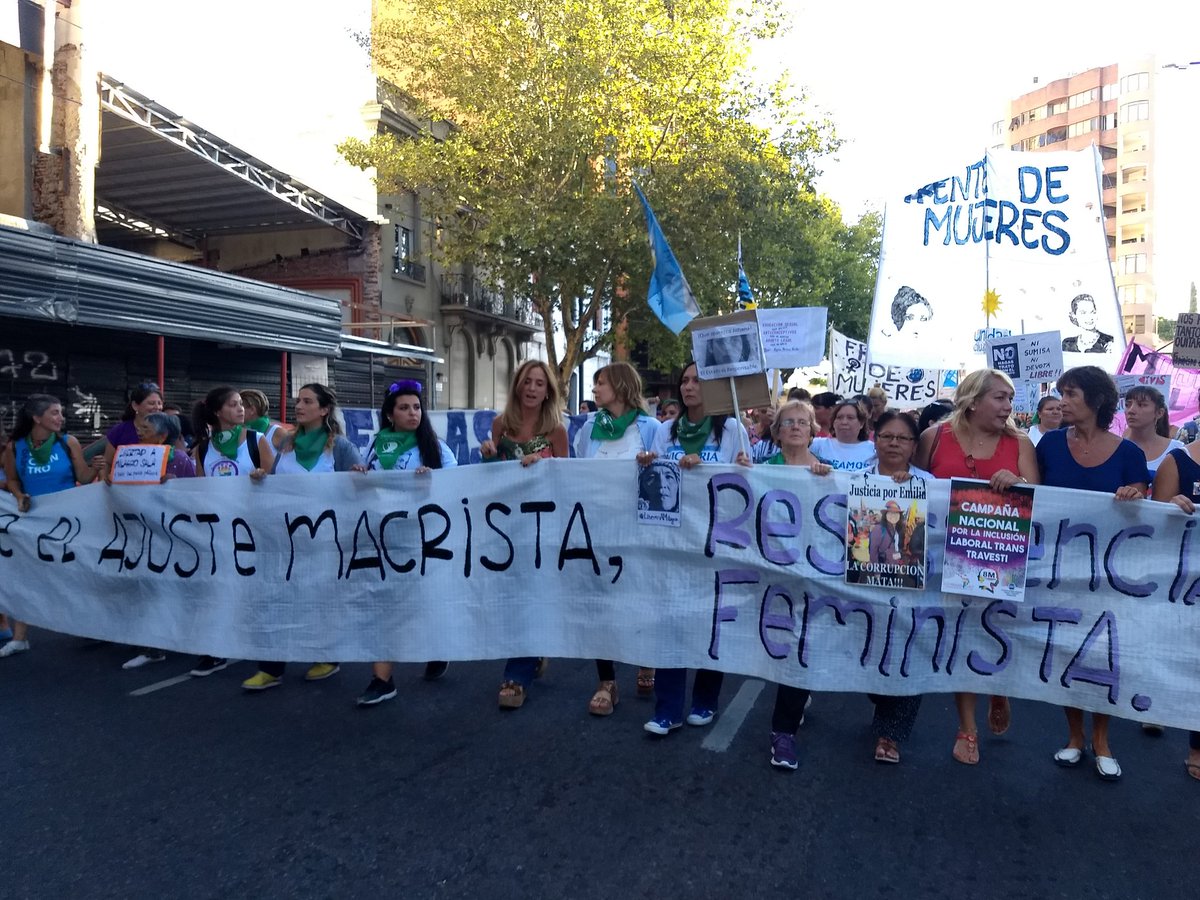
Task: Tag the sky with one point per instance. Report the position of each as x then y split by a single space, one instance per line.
911 88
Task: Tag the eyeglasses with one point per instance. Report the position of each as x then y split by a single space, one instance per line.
788 423
893 438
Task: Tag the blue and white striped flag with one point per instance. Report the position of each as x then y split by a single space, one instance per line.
670 298
745 295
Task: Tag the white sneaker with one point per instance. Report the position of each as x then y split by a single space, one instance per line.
13 647
143 659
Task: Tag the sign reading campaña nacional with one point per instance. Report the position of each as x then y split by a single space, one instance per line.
1015 242
490 562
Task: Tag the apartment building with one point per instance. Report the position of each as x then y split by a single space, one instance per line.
1113 106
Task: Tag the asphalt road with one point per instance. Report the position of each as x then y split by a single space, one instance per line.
195 790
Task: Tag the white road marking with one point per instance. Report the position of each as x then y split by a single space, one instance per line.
169 682
731 719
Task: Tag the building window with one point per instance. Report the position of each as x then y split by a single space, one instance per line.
1136 112
1058 106
1108 92
1139 81
1083 98
1132 293
1036 113
1133 264
1083 127
402 255
1054 136
998 128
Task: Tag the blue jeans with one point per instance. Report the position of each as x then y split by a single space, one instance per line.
521 669
670 685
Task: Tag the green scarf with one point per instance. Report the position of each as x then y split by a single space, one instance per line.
262 425
606 428
391 445
227 442
692 437
777 460
41 455
309 445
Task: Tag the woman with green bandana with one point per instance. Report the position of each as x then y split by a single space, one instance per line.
39 460
694 438
405 442
317 445
226 448
258 416
621 429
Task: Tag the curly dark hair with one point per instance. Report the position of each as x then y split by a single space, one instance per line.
1098 388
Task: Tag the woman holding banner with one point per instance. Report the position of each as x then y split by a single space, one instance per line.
792 431
40 460
530 428
144 399
405 441
694 438
1147 425
848 449
607 434
1178 482
226 448
317 445
979 440
1087 457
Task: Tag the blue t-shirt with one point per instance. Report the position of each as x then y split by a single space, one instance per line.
58 474
1127 465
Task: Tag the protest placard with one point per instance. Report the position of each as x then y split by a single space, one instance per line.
885 532
658 493
987 540
792 336
726 346
1028 357
140 464
1179 387
1185 350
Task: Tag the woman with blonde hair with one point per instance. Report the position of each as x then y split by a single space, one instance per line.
607 434
258 409
979 440
530 428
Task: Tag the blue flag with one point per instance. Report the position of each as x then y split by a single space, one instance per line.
669 296
745 295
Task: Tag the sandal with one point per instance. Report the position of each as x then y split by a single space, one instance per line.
1193 769
542 665
966 748
645 683
604 700
512 695
886 751
999 714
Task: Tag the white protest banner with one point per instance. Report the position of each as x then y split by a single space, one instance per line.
1026 395
727 350
848 361
139 464
793 336
1185 350
496 561
1027 357
1013 241
1179 386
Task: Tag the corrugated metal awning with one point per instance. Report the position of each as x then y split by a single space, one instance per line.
355 344
63 280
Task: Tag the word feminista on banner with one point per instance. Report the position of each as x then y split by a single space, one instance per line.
491 562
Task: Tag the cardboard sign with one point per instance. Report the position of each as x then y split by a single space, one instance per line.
726 346
752 389
987 540
1185 352
1027 357
140 464
792 337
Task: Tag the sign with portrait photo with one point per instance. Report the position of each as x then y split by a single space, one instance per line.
658 493
727 346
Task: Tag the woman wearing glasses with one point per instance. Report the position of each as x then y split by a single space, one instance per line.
980 440
792 430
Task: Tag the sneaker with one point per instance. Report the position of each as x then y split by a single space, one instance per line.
321 671
435 670
207 665
700 716
145 658
260 681
783 750
377 691
661 725
13 647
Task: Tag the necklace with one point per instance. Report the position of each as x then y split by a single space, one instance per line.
1079 441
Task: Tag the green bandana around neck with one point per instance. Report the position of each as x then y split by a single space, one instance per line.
227 442
309 445
692 437
262 425
391 445
607 428
41 455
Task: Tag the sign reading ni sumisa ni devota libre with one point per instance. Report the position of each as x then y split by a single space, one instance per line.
496 561
1013 241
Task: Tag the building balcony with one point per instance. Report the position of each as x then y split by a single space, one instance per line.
461 293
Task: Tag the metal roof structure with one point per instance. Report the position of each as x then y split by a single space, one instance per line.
163 175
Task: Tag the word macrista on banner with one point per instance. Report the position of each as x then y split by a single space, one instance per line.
490 562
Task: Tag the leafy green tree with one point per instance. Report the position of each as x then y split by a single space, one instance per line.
539 116
1165 329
